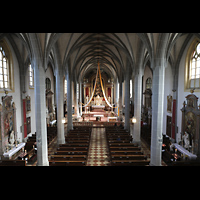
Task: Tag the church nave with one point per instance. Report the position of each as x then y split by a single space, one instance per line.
52 82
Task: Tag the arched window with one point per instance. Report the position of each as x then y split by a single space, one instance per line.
48 84
6 68
194 71
31 77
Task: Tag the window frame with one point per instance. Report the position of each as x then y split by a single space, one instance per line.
189 57
31 74
10 69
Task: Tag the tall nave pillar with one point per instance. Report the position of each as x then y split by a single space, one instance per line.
158 67
60 110
40 115
157 113
137 107
127 99
69 102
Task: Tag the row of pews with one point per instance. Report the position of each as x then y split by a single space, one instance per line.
75 151
122 151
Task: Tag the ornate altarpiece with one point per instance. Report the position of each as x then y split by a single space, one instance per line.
191 123
8 131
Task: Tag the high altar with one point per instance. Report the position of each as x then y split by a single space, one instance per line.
98 102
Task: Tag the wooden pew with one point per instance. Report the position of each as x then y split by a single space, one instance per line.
128 157
121 144
118 141
71 140
72 148
125 148
75 152
12 163
129 163
75 145
126 152
69 157
67 163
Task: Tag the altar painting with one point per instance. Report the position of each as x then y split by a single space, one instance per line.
8 121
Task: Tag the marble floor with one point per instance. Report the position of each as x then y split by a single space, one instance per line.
98 154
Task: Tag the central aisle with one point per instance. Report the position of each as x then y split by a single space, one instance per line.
98 150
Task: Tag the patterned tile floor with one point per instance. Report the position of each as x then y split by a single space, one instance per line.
98 150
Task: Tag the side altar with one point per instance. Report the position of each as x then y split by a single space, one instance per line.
191 124
8 129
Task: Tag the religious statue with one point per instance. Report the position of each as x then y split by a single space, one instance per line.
109 99
186 140
87 99
12 138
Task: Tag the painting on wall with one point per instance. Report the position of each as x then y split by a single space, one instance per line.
169 103
28 103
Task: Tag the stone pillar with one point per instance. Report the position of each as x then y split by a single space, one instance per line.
137 108
80 98
40 116
157 113
60 111
127 100
69 103
120 99
116 96
77 100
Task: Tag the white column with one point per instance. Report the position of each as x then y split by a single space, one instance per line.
69 103
60 110
127 100
77 99
116 96
157 114
40 116
80 98
137 108
120 99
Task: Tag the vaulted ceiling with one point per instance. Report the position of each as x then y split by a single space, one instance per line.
80 52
